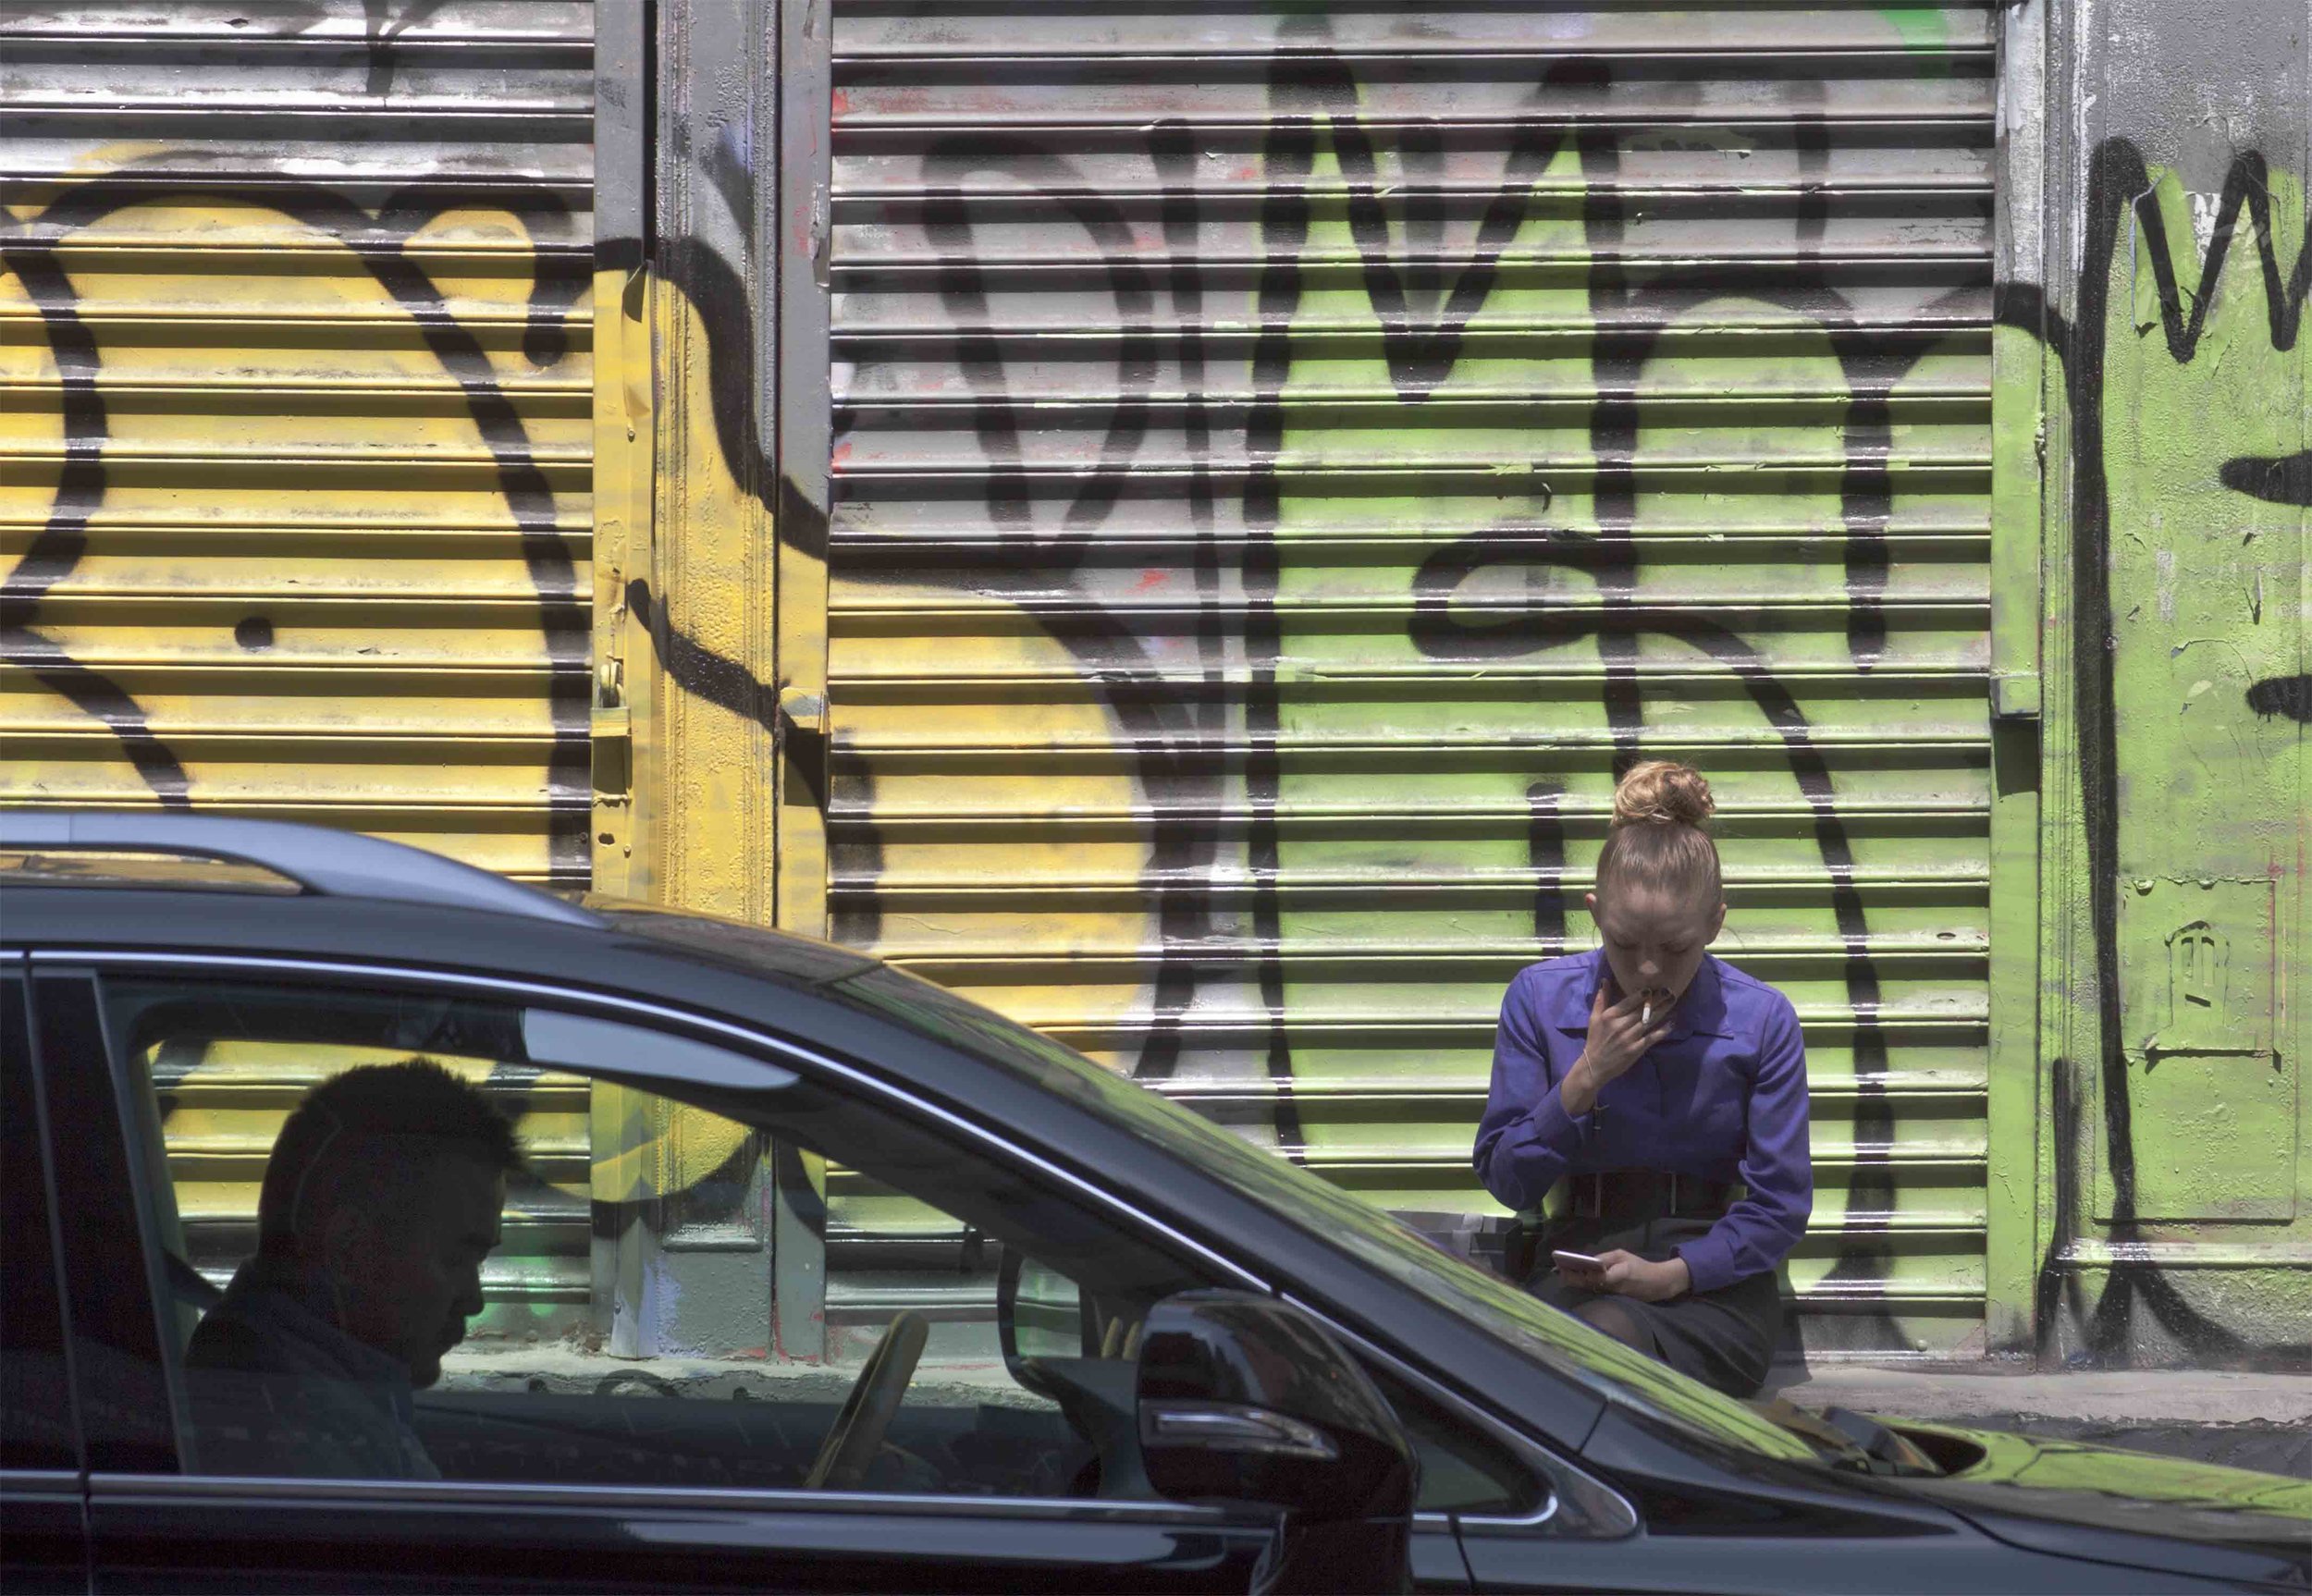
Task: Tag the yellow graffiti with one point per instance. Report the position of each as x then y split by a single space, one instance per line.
301 564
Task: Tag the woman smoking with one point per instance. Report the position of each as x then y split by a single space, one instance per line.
1652 1078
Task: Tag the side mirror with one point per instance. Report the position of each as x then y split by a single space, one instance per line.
1245 1399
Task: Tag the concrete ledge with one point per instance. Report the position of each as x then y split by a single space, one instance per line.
2259 1421
2135 1397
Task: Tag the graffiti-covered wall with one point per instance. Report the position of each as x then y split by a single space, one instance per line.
1287 458
1169 518
2179 1180
297 377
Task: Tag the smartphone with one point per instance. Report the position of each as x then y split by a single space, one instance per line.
1579 1262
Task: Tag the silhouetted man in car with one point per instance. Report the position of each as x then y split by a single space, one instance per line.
381 1199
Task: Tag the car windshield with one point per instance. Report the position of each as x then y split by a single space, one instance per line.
1318 1207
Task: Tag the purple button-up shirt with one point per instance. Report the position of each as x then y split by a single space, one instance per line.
1722 1097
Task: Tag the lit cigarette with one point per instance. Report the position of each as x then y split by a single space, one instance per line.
1645 1016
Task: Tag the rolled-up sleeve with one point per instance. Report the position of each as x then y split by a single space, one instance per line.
1526 1140
1758 1232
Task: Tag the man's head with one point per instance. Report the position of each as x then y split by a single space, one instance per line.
385 1187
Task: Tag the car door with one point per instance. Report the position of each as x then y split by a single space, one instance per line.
42 1544
629 1449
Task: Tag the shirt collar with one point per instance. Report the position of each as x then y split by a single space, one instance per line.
1701 1012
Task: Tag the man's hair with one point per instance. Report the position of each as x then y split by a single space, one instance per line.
362 1138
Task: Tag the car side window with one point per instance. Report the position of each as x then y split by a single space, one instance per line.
36 1429
1462 1470
428 1235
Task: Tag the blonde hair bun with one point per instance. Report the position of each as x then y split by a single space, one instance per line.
1664 793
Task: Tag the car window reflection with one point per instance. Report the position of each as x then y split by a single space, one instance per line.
401 1248
413 1253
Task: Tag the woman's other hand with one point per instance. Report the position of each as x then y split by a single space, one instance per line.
1626 1274
1619 1036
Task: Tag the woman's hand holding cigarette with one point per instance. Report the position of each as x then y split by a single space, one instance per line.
1619 1036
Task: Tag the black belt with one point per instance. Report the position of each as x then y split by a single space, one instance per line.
1634 1195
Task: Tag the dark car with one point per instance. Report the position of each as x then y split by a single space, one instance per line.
1159 1358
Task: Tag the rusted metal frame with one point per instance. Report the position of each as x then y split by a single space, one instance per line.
803 242
800 240
2014 1092
707 597
688 604
623 444
626 677
2068 1030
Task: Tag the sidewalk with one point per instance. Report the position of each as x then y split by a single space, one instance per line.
2261 1421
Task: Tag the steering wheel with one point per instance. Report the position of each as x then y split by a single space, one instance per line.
858 1434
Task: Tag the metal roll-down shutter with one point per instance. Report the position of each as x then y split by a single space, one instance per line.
1286 458
297 372
295 400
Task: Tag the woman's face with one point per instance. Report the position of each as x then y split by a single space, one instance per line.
1654 940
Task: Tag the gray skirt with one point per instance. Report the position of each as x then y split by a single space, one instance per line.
1724 1338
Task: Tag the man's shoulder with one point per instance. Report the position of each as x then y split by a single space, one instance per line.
227 1339
257 1328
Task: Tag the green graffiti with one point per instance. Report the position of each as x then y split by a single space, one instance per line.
2208 600
1925 28
1704 486
2177 705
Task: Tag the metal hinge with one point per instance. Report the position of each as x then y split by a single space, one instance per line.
805 711
2015 695
613 753
613 732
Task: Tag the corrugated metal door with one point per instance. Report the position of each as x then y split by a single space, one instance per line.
1288 458
295 357
298 384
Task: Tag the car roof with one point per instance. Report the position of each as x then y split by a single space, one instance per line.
624 948
226 885
333 863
